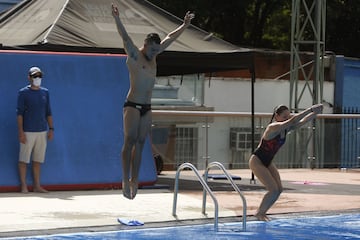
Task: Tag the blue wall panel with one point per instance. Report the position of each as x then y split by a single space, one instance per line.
86 93
347 100
351 83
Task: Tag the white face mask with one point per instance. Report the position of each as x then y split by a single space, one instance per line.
37 82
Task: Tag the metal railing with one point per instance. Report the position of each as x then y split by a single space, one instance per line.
205 186
229 178
333 142
206 189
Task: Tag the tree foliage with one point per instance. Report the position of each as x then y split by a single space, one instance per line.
343 27
267 24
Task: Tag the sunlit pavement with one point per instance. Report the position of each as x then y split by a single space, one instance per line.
305 191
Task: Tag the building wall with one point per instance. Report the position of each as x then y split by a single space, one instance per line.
234 95
231 92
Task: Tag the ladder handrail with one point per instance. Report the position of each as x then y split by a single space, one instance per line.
205 187
219 165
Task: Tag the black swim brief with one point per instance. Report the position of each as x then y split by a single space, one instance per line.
143 108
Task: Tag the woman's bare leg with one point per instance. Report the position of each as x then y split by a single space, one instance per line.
271 180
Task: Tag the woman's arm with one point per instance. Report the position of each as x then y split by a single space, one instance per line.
314 110
295 121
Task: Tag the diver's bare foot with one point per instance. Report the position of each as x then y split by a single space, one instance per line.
262 217
40 190
126 189
24 189
134 188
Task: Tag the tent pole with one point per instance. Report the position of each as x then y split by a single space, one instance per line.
252 180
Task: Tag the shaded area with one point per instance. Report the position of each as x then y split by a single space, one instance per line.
190 183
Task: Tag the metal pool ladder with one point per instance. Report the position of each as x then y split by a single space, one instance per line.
207 189
229 178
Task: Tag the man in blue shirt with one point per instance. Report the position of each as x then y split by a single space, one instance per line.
35 125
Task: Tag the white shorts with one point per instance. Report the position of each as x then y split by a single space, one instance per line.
34 146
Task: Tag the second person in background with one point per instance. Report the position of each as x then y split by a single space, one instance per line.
272 139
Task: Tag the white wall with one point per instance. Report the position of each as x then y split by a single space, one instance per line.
234 95
230 95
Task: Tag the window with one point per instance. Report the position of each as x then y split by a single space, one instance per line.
241 139
186 145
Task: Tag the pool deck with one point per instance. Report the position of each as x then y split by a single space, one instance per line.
305 191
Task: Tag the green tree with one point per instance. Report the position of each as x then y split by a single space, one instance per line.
226 20
277 30
343 27
267 23
244 23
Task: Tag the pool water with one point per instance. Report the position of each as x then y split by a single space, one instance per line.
342 226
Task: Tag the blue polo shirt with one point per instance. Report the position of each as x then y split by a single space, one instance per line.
34 106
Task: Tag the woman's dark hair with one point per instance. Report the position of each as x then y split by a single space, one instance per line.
153 38
278 110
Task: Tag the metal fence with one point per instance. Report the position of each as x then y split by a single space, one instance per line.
350 129
331 141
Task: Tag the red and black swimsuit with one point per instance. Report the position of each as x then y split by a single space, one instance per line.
268 148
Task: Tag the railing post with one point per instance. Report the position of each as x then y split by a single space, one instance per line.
220 166
206 157
205 186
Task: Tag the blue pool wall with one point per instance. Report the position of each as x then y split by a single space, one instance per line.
87 92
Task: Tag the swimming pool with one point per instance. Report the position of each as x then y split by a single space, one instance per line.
341 226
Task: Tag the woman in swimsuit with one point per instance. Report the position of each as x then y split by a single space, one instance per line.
273 138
